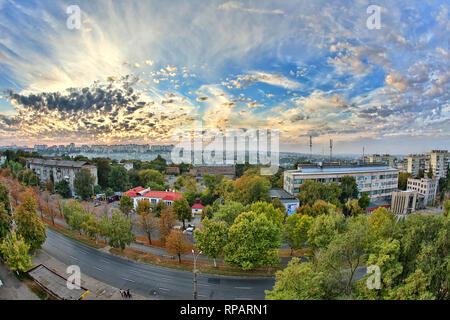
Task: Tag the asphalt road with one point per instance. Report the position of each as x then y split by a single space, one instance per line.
148 280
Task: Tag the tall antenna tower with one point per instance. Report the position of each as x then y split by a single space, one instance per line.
310 148
331 149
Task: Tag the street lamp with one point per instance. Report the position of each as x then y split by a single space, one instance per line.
195 272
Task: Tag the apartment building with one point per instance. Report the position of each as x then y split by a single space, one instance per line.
439 162
198 172
425 187
415 162
377 181
59 170
404 202
385 159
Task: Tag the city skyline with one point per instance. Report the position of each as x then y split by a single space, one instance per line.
306 69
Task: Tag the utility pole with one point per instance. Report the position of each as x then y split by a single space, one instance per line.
331 149
195 272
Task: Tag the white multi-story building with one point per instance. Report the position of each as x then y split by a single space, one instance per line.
415 162
385 159
425 187
439 162
377 181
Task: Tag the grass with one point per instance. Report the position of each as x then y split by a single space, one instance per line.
286 253
78 237
187 265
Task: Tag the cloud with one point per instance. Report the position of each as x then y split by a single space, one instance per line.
235 5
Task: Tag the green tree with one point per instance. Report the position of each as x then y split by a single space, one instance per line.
353 208
212 239
152 178
182 209
311 191
278 205
349 189
84 184
103 169
126 204
250 189
159 208
364 201
324 229
118 178
14 250
296 230
120 233
5 221
228 212
403 180
29 225
91 226
253 241
207 213
62 188
275 215
298 281
415 287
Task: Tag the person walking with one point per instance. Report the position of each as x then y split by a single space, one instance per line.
121 293
128 293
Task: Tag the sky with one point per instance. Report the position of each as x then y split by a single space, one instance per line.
137 71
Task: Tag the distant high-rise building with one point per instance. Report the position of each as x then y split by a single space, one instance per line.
415 162
438 161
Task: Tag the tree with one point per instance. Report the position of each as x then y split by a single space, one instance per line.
250 189
299 281
275 215
277 204
29 225
152 178
415 287
62 188
126 204
430 172
403 180
420 174
91 226
364 201
14 250
311 191
120 232
49 186
182 209
207 213
84 184
349 189
229 211
212 239
4 197
296 230
5 221
176 244
353 208
166 223
253 241
103 169
324 229
160 206
146 221
118 178
320 207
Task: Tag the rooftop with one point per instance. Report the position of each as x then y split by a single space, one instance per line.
147 193
58 163
343 170
280 194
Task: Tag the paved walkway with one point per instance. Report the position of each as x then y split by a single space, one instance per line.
13 288
97 290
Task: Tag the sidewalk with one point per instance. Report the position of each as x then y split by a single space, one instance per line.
97 290
13 288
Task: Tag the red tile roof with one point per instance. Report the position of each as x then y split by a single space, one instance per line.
198 206
164 195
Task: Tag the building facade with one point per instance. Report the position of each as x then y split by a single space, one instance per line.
404 202
290 202
438 161
377 181
425 187
386 159
140 193
58 170
415 162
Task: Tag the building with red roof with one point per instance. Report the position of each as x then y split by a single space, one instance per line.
197 208
140 193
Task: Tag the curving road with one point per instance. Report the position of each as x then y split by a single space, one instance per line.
148 280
